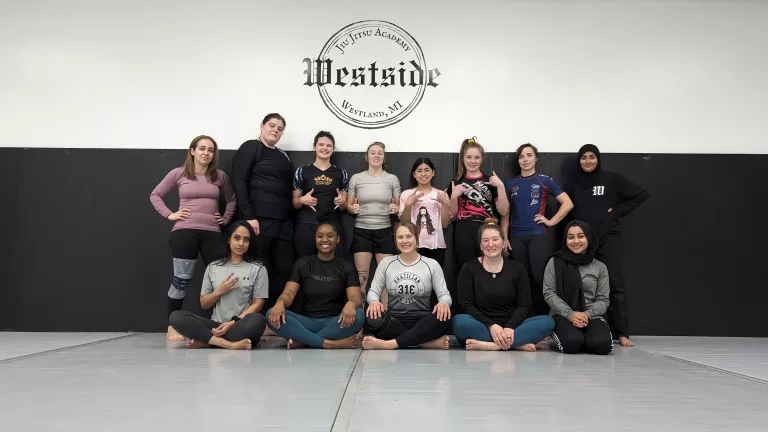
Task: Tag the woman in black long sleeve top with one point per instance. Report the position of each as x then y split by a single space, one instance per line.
262 176
496 295
601 199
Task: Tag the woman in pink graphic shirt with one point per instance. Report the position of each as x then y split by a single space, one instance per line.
427 207
197 222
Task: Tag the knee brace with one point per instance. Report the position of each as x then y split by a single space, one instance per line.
183 269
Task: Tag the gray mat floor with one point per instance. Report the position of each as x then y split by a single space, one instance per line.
745 356
139 382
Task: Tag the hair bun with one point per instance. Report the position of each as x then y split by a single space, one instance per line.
491 221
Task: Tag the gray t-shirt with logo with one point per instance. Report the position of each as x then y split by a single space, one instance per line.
409 286
374 194
253 283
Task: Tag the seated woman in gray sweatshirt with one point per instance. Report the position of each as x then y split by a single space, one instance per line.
409 278
576 288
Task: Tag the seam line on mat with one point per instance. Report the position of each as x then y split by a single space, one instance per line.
344 412
713 368
66 348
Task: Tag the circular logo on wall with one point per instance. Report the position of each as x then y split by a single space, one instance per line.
370 74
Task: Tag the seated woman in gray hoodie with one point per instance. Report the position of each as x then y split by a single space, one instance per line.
576 289
409 278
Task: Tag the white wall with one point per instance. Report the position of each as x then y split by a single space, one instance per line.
631 76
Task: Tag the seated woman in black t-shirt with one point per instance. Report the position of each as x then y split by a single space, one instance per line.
331 298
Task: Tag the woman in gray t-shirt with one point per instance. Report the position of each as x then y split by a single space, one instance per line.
235 287
373 196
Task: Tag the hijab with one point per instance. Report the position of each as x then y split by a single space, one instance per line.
584 179
567 277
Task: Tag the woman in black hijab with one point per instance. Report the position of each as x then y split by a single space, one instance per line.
601 199
576 290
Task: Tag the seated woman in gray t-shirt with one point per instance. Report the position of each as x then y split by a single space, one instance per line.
410 279
235 287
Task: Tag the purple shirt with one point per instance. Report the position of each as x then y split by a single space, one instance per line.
199 196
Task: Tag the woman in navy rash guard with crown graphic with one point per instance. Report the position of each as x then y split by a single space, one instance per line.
319 195
527 226
474 198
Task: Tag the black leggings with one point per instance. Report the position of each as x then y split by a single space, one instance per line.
198 328
407 331
278 257
533 253
436 254
465 244
595 338
609 254
304 239
466 247
185 246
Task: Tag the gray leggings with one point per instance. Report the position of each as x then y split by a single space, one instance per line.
198 328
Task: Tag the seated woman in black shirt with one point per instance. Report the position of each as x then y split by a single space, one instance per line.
331 298
496 295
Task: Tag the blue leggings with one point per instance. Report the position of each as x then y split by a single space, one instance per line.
531 331
314 331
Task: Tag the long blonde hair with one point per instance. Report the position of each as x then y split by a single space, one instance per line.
466 145
211 171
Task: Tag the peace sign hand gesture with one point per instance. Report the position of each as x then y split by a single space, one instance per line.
413 198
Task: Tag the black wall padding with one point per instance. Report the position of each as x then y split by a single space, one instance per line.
84 250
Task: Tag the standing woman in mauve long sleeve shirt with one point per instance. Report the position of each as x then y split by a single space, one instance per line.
197 222
527 227
262 177
601 199
475 197
410 279
496 295
576 289
372 197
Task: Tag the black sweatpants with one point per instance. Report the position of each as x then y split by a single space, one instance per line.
199 328
408 331
533 253
595 338
278 257
609 253
185 245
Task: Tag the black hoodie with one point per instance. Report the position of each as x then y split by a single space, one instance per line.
594 193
